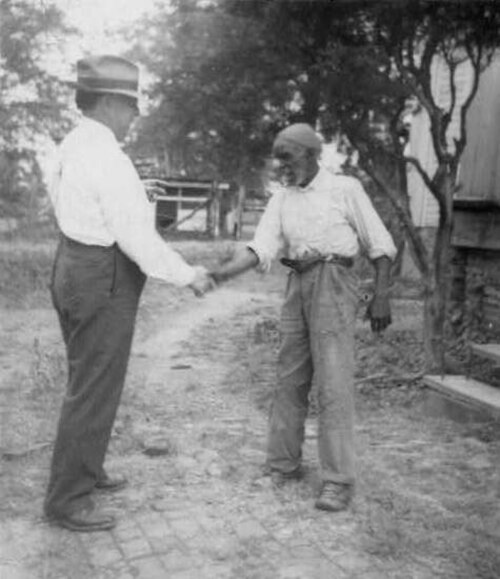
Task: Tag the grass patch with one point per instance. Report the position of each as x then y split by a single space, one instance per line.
26 266
32 397
25 272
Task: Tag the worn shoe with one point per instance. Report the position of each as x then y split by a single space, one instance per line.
280 479
334 497
111 484
87 520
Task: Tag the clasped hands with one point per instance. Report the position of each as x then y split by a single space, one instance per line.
203 281
235 263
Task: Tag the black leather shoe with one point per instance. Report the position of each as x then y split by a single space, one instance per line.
86 520
111 484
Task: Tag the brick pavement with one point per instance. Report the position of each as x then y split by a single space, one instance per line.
204 511
185 543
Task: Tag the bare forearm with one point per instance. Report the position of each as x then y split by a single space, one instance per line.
379 309
382 275
243 260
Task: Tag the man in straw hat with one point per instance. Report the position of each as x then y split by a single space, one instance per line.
318 220
108 245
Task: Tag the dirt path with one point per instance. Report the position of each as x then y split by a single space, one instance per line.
190 436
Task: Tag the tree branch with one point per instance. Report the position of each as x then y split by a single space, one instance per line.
402 209
448 115
429 183
408 77
424 72
411 53
422 89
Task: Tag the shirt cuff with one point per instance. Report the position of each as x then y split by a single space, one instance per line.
376 253
184 275
264 261
187 277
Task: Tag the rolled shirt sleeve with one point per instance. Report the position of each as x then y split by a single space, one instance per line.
372 232
268 239
130 218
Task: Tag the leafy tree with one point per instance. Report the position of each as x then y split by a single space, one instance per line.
410 39
217 98
30 97
361 61
231 73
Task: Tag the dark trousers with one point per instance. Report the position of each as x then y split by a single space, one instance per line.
95 291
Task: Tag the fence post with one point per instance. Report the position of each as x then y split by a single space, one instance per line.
216 201
240 207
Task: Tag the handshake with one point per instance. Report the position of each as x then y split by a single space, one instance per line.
237 263
233 265
203 281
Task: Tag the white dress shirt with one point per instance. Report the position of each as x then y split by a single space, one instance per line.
99 199
331 215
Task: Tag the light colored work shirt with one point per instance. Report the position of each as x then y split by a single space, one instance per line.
99 199
331 215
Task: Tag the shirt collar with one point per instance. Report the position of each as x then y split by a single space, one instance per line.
97 128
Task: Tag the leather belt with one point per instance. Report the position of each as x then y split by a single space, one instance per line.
303 265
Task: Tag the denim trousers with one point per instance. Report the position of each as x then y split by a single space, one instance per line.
316 351
95 291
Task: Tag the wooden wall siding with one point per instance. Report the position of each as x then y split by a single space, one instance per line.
423 206
479 229
480 166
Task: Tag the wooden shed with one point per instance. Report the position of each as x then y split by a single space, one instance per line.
185 204
476 244
476 227
476 219
191 205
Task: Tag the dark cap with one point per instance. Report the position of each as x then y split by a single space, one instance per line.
299 134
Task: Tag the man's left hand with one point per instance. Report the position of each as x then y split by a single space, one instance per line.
379 313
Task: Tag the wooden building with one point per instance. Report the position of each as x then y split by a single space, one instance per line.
476 223
184 204
476 244
190 205
476 228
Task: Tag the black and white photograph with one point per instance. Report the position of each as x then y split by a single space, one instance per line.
249 289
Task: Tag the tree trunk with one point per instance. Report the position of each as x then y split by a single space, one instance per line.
437 286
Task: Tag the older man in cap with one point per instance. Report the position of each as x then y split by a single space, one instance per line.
108 246
318 220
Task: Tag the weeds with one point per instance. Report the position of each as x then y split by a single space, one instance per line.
33 402
25 275
47 372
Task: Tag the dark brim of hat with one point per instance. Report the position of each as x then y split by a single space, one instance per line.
106 87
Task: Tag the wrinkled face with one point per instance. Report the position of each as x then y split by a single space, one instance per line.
294 164
121 111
